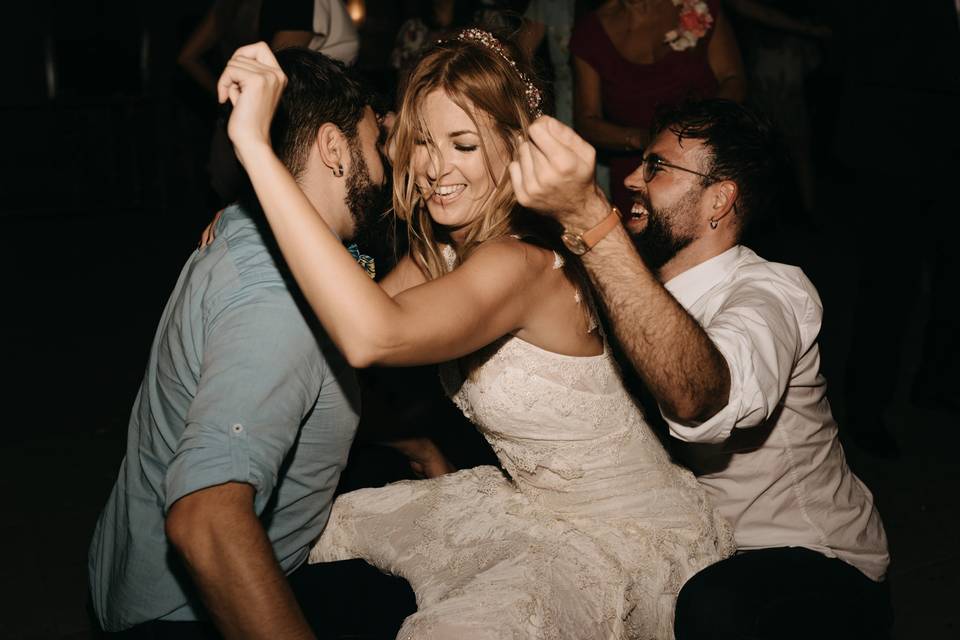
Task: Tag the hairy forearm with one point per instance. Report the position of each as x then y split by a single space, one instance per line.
669 350
232 563
673 355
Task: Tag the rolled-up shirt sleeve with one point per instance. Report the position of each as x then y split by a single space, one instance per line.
259 378
757 331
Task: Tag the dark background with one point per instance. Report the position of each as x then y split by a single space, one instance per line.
104 192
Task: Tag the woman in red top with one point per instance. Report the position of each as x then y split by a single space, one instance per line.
630 56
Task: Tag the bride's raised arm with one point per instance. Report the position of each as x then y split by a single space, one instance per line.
484 299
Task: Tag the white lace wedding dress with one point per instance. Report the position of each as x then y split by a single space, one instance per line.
592 535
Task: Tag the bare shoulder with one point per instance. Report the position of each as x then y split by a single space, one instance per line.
511 254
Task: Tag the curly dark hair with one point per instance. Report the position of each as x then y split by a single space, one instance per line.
743 146
319 89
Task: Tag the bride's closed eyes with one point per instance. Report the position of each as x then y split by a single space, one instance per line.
457 152
459 146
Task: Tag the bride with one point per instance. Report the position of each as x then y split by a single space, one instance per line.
594 530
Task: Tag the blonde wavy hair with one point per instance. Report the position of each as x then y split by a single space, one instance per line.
492 92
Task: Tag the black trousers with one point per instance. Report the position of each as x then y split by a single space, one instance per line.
782 593
348 599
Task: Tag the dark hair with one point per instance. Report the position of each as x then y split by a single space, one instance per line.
319 90
744 146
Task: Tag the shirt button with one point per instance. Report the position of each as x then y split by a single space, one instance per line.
237 428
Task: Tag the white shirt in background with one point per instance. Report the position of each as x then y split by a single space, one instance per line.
336 36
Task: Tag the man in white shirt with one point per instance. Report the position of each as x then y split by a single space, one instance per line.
726 343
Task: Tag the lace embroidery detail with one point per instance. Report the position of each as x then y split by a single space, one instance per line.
450 255
590 536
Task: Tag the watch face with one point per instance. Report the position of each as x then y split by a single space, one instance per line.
575 243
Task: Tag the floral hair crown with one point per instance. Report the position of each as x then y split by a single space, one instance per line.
490 41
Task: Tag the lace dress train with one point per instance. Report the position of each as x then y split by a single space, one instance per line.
591 536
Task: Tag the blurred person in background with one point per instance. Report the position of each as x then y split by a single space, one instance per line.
431 21
228 24
782 45
553 20
319 25
629 56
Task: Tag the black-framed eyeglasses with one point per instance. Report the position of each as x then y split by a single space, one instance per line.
652 163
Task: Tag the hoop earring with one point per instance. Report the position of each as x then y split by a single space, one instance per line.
715 222
338 172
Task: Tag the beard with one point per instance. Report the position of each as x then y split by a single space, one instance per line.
364 199
662 238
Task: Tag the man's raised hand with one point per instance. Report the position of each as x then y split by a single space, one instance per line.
253 82
554 171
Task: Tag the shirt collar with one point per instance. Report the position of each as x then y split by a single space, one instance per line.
696 281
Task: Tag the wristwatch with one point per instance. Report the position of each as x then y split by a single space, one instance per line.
580 243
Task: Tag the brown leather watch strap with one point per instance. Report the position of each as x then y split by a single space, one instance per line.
598 232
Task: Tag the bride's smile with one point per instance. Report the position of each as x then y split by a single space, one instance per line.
454 163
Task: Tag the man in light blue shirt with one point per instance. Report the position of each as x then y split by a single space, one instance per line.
246 411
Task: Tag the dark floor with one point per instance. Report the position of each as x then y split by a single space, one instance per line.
84 292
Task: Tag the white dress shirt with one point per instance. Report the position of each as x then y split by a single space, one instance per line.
771 459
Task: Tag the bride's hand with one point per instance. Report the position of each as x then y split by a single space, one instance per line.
209 234
253 82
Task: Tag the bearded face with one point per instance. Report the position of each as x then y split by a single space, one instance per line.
364 198
660 233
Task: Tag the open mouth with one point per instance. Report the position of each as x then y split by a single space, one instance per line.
637 219
446 193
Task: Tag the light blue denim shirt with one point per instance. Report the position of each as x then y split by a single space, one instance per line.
241 386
